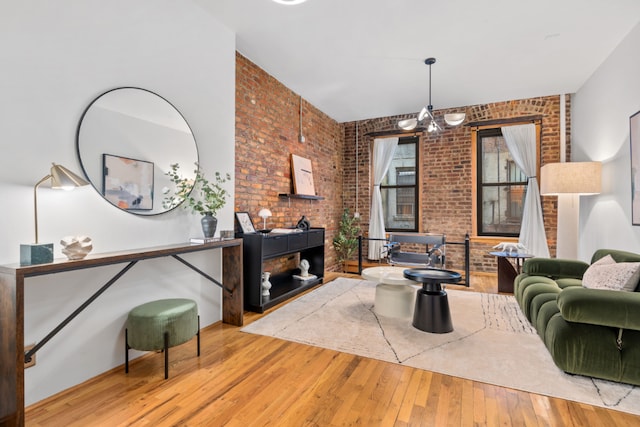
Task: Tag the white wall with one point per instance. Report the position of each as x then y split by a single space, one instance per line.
600 131
56 58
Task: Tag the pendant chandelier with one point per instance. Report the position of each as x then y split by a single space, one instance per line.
452 119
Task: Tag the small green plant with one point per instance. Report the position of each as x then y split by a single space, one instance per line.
199 194
345 242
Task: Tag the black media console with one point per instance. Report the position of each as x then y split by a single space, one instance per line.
259 247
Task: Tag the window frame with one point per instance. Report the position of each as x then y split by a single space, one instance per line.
413 139
476 182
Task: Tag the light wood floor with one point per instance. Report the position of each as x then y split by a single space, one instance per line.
249 380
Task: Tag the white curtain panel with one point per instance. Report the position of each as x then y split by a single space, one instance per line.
521 142
383 149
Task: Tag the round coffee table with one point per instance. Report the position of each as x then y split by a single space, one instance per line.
395 297
431 313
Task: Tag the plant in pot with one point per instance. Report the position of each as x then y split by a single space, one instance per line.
345 242
199 194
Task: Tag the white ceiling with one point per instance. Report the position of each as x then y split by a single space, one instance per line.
360 59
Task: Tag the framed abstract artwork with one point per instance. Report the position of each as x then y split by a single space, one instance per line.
634 137
302 176
127 183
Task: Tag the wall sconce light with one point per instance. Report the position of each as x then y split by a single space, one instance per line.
264 214
569 181
61 179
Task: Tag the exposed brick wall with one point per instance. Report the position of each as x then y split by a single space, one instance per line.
446 171
267 133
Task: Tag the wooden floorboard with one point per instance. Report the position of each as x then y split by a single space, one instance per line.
243 380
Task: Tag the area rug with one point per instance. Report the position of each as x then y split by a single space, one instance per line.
492 341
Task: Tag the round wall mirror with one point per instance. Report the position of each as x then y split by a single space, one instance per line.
127 140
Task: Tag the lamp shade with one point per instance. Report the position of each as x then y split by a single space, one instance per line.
454 119
264 213
571 178
408 124
63 178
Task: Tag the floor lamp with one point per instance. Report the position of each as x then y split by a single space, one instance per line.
569 181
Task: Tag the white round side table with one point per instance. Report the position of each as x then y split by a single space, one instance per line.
395 295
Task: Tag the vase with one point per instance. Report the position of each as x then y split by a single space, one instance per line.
266 284
209 224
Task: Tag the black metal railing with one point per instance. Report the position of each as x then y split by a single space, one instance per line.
465 243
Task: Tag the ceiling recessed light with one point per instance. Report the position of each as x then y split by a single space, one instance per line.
290 2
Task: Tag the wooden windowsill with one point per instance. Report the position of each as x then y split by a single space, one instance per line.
492 240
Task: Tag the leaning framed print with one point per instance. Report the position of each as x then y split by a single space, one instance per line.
634 138
244 222
302 176
127 183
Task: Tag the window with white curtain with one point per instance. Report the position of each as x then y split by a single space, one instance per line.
501 186
399 188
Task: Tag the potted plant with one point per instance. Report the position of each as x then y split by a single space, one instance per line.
201 195
345 242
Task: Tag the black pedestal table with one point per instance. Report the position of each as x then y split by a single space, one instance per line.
432 313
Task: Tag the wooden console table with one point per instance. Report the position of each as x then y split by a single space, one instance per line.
12 277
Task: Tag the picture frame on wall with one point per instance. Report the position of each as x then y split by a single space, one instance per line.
127 183
634 138
245 223
302 176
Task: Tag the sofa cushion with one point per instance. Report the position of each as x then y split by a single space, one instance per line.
606 273
568 281
600 307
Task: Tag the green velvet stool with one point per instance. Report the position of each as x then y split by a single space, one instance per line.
161 324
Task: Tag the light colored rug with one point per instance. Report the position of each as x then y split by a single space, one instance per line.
492 341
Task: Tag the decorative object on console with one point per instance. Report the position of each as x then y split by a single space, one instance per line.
61 179
304 271
266 284
226 234
451 119
569 181
286 231
264 214
199 240
302 176
244 222
76 247
212 196
303 223
304 268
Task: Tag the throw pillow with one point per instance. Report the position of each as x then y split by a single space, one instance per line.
606 273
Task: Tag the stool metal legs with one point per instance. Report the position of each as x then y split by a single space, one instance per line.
126 351
198 335
165 350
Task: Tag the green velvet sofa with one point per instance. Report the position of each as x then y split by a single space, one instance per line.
592 332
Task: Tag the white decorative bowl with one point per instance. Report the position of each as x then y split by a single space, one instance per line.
76 247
